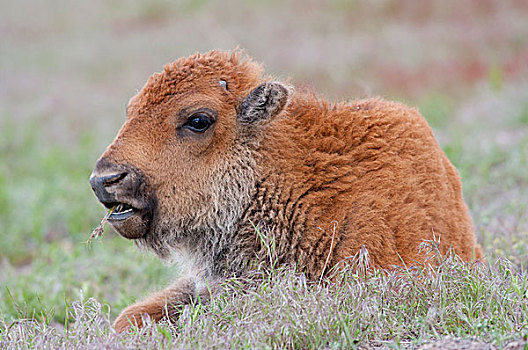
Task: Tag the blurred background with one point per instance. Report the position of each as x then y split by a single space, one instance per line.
68 68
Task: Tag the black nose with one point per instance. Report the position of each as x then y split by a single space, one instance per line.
98 182
100 185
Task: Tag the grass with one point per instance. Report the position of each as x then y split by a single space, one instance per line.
280 308
67 74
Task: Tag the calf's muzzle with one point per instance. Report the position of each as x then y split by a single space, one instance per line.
123 188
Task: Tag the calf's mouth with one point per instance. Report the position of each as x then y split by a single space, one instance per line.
122 190
128 221
120 211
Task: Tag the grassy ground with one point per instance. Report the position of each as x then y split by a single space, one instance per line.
67 71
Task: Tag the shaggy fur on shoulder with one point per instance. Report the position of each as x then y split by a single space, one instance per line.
216 158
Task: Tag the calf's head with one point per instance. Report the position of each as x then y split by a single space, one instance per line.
182 166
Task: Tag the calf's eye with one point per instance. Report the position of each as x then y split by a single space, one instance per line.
198 122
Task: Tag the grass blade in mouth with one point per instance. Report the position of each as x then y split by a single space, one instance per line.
98 231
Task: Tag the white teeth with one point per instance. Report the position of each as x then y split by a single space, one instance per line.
120 209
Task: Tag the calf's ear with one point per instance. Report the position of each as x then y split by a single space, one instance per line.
263 103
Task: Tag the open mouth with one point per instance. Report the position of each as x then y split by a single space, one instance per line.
120 212
129 221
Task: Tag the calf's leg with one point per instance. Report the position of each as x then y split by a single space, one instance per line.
164 304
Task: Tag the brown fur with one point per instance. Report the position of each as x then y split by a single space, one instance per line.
320 179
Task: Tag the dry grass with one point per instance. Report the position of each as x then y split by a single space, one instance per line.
99 230
281 309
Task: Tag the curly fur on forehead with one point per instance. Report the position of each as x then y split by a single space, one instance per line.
240 72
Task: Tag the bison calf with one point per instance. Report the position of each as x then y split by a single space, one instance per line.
214 153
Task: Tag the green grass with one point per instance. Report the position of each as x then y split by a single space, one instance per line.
280 308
